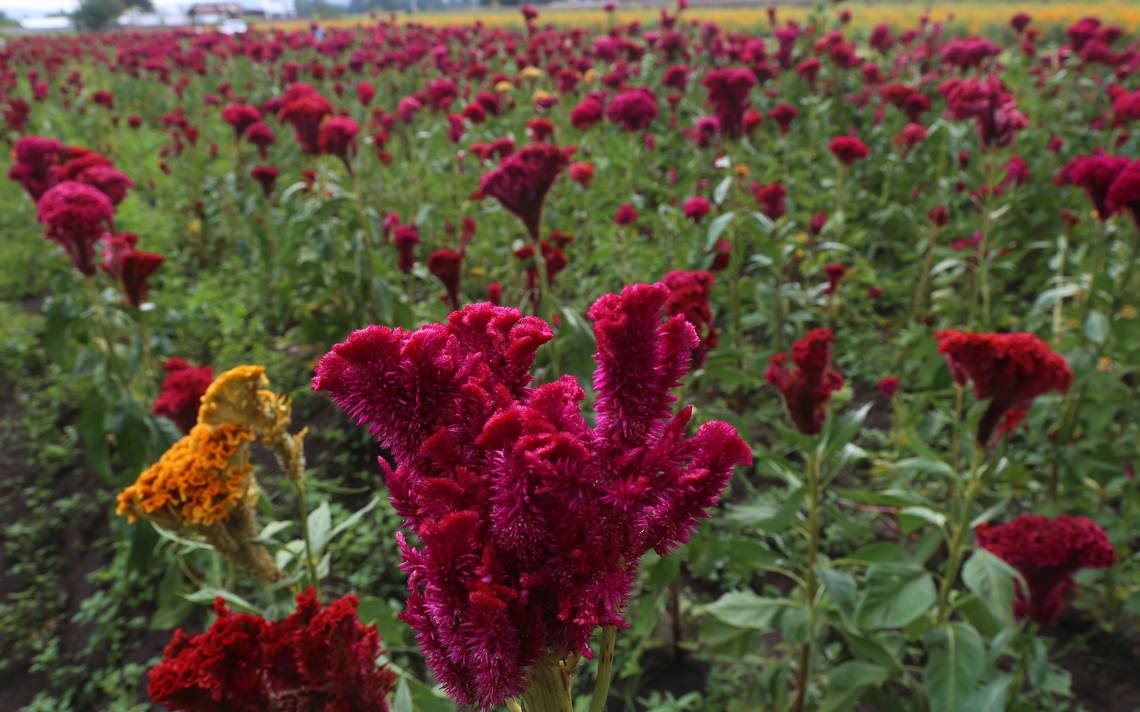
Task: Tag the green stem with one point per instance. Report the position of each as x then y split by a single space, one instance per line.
924 277
366 240
605 669
957 541
549 688
310 560
810 584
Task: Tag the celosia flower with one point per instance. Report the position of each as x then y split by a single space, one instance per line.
137 267
365 92
689 294
1047 552
1010 370
634 109
817 223
783 114
531 523
989 103
406 237
338 138
260 135
182 392
76 216
445 263
240 396
626 214
316 659
771 198
523 179
696 208
889 386
304 109
728 96
848 149
1124 193
808 387
266 176
35 157
582 173
835 272
1095 174
240 117
586 114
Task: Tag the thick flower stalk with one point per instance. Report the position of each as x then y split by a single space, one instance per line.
1010 370
530 522
1047 552
316 660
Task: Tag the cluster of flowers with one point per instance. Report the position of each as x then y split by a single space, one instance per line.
316 660
204 483
76 191
1111 182
531 523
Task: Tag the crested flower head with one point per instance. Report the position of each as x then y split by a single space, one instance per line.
848 149
728 96
446 264
1095 174
772 198
182 391
76 216
523 179
989 103
531 523
1124 194
338 137
315 659
1009 369
240 117
241 396
634 109
1047 552
689 295
35 157
304 109
808 386
197 482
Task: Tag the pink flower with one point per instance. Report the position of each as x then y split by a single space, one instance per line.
182 392
771 198
523 179
634 109
889 386
696 208
626 214
689 295
240 117
304 109
406 237
806 388
848 149
835 273
76 216
582 173
445 263
1095 174
338 138
1124 193
531 523
728 96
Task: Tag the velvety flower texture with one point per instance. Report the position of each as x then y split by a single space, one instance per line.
523 179
35 156
771 198
240 117
76 216
182 392
1008 369
634 109
989 103
728 97
1095 174
304 109
689 294
316 660
1047 552
848 149
806 388
531 523
1124 193
338 138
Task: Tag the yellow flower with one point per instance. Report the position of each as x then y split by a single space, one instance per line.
503 87
195 227
197 482
540 96
741 170
589 75
1127 312
1104 365
478 271
240 396
531 73
801 238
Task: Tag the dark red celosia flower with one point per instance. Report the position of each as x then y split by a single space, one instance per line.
848 149
696 208
182 392
35 157
587 113
1124 193
1125 108
137 267
752 119
316 659
406 237
989 103
1047 553
109 180
1016 171
76 216
967 52
835 272
540 128
807 388
304 109
240 117
115 248
338 138
1010 370
633 109
582 173
531 524
783 114
689 295
772 198
722 255
626 214
260 135
266 176
365 92
728 96
939 215
523 179
817 223
676 77
445 263
1020 21
889 386
911 135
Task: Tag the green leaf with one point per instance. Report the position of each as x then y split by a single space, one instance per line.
721 190
744 609
320 526
92 429
992 697
402 702
1097 328
208 594
766 517
717 228
920 464
351 520
992 581
897 593
955 660
841 432
847 683
927 514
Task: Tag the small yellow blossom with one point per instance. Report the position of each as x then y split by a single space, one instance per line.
478 271
1104 365
541 96
531 73
503 87
801 238
1127 312
590 74
240 396
741 170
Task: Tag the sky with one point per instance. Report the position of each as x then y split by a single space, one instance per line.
39 8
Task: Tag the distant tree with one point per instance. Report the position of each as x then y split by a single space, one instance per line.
317 9
97 14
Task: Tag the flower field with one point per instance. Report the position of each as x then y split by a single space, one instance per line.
696 360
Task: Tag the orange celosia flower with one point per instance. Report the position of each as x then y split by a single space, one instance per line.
197 482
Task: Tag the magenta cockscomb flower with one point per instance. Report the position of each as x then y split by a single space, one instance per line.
523 179
530 522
